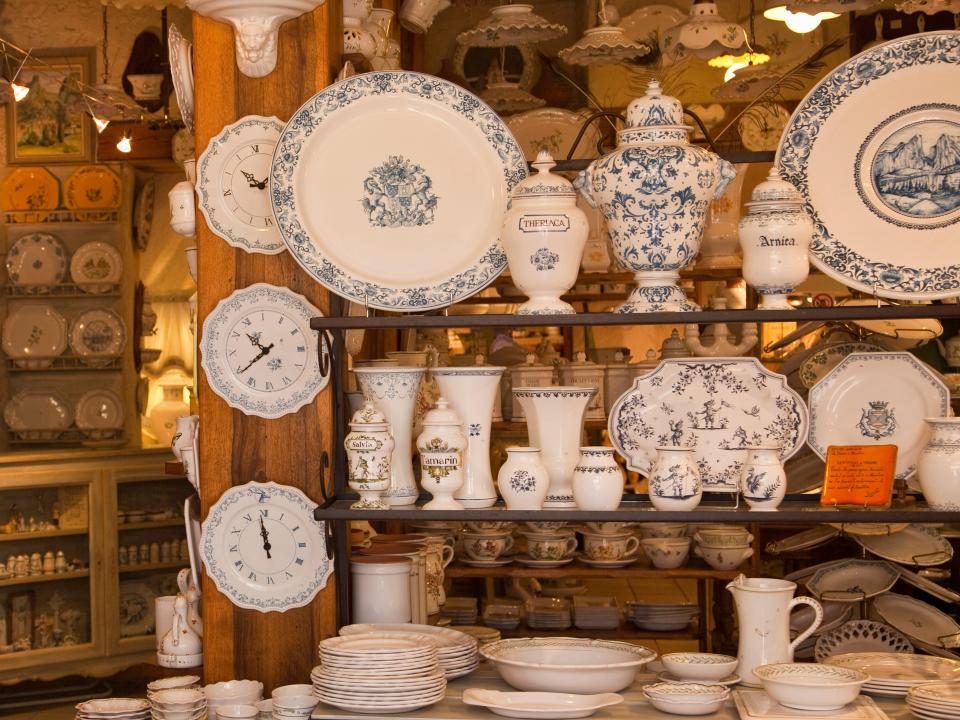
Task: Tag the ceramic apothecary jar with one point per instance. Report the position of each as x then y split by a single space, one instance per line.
654 191
544 233
675 482
763 481
775 237
938 469
523 480
597 479
441 446
369 446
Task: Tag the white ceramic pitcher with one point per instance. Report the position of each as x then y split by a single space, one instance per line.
763 619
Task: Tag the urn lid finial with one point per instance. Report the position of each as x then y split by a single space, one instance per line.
441 414
775 191
369 414
655 109
544 183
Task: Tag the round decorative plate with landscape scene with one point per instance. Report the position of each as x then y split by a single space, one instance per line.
874 149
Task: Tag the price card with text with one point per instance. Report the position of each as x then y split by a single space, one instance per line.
859 475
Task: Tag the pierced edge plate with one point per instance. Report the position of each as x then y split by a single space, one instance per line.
181 71
829 254
886 638
309 254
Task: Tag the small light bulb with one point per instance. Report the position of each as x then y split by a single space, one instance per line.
124 145
19 91
101 123
732 71
802 22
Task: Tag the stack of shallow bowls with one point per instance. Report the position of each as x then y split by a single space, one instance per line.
369 673
893 674
457 651
664 617
704 668
483 635
549 614
809 686
177 704
293 702
460 610
723 547
686 698
180 681
232 692
935 701
113 709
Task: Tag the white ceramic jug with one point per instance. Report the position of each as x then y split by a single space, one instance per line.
763 619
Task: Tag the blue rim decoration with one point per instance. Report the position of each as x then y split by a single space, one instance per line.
308 251
827 252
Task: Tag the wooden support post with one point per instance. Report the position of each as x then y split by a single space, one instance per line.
276 648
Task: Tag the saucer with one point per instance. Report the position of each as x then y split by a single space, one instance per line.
622 562
542 564
671 678
499 562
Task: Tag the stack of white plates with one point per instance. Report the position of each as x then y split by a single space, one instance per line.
893 674
114 709
187 682
661 617
177 704
368 673
549 614
483 635
456 651
460 610
591 612
935 701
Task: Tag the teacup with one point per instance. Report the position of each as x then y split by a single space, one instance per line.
608 528
667 553
545 528
610 547
662 529
489 526
723 558
486 546
417 15
551 547
291 691
727 540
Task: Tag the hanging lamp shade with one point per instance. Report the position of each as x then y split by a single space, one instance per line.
746 85
511 25
705 34
603 45
798 22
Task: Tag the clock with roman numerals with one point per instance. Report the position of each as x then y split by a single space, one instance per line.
258 352
233 184
263 549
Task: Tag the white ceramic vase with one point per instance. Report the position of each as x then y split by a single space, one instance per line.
554 424
654 190
472 391
544 233
523 479
441 446
763 481
938 468
674 480
394 391
775 236
597 479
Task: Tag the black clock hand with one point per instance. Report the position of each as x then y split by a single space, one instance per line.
251 180
266 538
254 340
263 351
262 184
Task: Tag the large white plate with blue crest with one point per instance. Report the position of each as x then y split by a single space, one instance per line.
874 149
390 189
720 406
877 398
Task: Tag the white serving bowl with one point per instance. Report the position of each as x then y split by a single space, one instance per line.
810 686
699 666
234 692
686 698
666 553
569 665
286 691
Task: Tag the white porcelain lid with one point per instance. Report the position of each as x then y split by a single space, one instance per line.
544 183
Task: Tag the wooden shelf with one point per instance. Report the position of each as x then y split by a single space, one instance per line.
579 570
153 567
173 467
32 579
151 524
40 535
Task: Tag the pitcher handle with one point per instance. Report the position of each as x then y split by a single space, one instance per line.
818 611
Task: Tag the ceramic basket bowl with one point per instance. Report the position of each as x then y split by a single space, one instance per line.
810 686
699 666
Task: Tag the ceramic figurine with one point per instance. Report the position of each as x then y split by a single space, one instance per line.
938 468
597 480
654 191
441 446
523 479
369 447
763 481
675 481
775 236
717 340
544 233
194 616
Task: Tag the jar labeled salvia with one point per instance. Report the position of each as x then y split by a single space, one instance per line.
369 446
441 446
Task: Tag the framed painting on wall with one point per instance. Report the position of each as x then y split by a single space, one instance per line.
51 124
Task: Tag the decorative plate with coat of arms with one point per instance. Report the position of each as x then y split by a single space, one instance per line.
877 398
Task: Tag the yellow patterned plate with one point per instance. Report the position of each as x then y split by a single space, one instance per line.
27 193
92 187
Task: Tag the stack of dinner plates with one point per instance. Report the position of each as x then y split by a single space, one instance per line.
894 674
549 614
935 701
114 709
661 617
456 651
373 674
593 612
460 610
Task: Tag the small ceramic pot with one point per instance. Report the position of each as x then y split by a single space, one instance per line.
666 553
938 468
441 446
146 87
486 546
183 219
380 589
551 547
675 481
763 481
597 480
523 480
723 558
610 547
